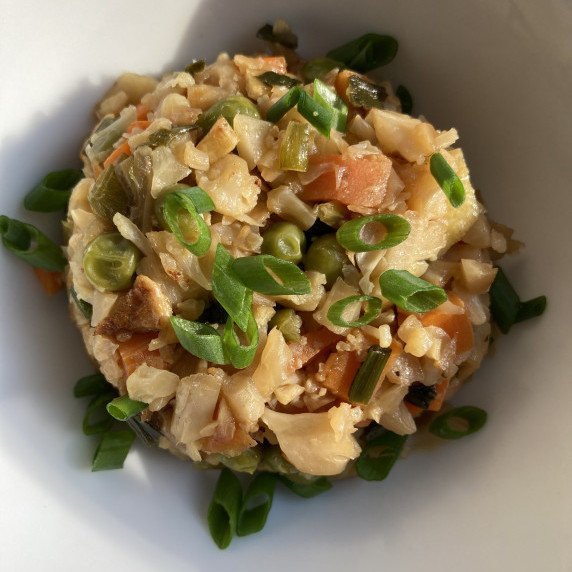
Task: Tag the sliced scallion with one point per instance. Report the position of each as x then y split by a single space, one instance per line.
337 309
96 419
294 147
112 450
199 339
363 93
458 422
405 98
366 53
84 307
448 180
272 78
222 515
256 504
195 67
318 68
378 456
271 276
123 408
306 489
285 38
53 192
31 245
367 376
329 99
350 234
91 385
409 292
163 137
240 355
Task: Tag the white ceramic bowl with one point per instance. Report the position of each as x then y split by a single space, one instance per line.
499 71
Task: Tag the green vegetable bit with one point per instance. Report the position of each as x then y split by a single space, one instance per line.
222 515
367 376
256 504
285 241
288 322
458 422
366 53
112 450
448 180
107 196
53 192
227 108
327 256
379 455
123 408
409 292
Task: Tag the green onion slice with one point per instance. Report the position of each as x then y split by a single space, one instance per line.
192 232
107 196
409 292
230 291
448 180
366 53
195 67
405 99
458 422
112 450
123 408
272 78
199 339
31 245
256 504
309 489
294 147
337 309
329 99
286 39
53 192
318 68
363 93
317 115
271 276
91 385
222 515
240 355
506 306
368 375
163 137
378 456
96 419
84 307
350 234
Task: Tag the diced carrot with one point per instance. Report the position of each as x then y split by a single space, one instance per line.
51 281
437 402
138 125
142 110
457 326
135 351
413 409
347 179
123 149
339 371
317 341
276 64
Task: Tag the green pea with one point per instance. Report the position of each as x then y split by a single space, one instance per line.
327 256
227 108
110 261
284 240
289 324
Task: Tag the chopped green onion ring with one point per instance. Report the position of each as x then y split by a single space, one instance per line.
240 356
409 292
112 450
474 418
366 53
94 384
286 39
84 307
123 408
257 273
448 180
256 504
379 455
336 311
367 376
199 339
294 147
349 234
222 515
53 192
405 98
309 489
31 245
318 68
96 419
329 99
366 94
272 78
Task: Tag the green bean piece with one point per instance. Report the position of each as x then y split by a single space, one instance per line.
325 255
289 324
107 196
284 240
256 504
246 462
110 261
317 68
222 514
53 192
458 422
227 108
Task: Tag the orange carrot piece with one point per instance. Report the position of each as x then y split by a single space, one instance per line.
339 371
138 124
437 402
123 149
317 341
51 281
413 409
142 110
135 352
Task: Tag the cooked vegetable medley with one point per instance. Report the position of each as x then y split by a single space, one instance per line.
276 269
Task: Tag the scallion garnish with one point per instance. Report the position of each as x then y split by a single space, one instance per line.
458 422
53 192
363 93
448 180
306 488
229 290
350 234
256 504
108 196
337 309
332 101
366 53
405 98
378 456
195 67
163 137
112 450
123 408
271 276
84 307
316 114
506 306
318 68
285 38
368 374
199 339
272 78
224 508
294 147
240 355
31 245
91 385
96 419
409 292
191 231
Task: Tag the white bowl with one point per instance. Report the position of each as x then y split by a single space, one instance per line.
499 71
